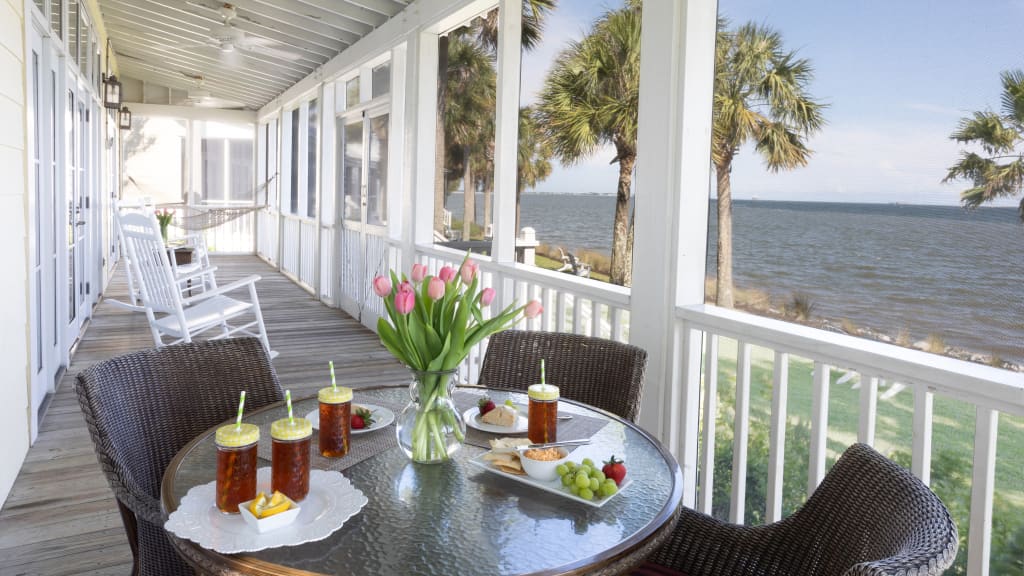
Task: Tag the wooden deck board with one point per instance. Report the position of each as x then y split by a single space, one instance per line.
61 518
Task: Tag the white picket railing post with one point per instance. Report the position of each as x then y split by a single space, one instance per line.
819 426
777 439
741 431
868 409
983 478
921 454
707 464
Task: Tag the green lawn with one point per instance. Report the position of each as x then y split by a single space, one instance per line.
952 441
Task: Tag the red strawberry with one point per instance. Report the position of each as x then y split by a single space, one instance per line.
357 422
485 405
615 470
362 418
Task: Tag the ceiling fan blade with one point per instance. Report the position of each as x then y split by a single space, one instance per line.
270 51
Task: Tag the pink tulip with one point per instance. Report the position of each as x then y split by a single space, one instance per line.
419 271
406 286
436 288
405 301
382 286
447 274
533 309
486 296
468 272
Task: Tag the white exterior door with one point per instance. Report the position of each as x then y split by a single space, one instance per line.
362 169
76 194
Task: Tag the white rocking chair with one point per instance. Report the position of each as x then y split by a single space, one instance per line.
160 291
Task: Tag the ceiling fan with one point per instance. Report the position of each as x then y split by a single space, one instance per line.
199 96
227 38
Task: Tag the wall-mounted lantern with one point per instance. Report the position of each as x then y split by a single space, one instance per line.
124 118
111 92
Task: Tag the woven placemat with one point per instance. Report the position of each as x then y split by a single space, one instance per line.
579 427
361 446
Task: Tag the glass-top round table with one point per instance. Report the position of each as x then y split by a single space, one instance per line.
456 518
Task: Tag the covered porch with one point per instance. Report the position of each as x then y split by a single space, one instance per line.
785 392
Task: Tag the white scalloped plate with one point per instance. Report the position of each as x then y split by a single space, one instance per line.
332 500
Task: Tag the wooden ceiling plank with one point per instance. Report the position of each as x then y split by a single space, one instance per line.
276 24
361 8
341 17
167 80
229 83
166 17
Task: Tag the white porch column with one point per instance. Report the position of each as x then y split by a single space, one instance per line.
422 76
506 133
669 252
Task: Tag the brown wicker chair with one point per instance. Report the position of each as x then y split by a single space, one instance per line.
602 373
141 408
869 517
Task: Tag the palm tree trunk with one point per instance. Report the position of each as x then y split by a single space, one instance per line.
519 196
488 194
620 241
724 288
439 164
468 199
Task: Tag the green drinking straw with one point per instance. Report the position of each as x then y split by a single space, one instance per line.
334 384
542 382
288 399
241 406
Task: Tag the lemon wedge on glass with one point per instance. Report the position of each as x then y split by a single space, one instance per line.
263 507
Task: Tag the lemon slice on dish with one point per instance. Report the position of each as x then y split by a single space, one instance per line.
261 507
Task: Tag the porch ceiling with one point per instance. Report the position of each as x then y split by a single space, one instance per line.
247 52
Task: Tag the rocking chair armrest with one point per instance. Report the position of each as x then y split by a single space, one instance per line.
193 275
247 281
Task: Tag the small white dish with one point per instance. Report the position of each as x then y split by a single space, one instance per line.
382 415
472 419
279 520
543 470
552 486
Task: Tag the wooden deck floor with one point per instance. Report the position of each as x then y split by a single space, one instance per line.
61 518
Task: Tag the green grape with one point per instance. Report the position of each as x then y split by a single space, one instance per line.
599 475
588 462
582 480
562 470
574 489
586 494
570 465
595 484
568 480
608 488
586 469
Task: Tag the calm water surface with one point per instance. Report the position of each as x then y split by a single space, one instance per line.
924 269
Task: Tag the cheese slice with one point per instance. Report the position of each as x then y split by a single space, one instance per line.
500 416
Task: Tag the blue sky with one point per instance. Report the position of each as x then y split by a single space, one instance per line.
897 76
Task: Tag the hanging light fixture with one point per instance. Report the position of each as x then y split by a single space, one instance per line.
124 118
111 92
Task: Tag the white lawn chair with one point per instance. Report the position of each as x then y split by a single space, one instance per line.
160 292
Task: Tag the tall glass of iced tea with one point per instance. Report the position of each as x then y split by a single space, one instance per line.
289 464
335 420
543 413
236 465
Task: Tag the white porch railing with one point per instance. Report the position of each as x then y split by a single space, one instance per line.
298 249
267 234
985 390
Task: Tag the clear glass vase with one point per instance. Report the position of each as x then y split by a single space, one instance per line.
430 429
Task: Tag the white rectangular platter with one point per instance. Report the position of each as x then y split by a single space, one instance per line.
554 486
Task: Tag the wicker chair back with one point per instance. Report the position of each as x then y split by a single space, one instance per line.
600 372
142 407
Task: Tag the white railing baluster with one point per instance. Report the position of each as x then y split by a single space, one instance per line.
577 315
777 439
921 458
983 476
616 314
707 464
560 308
548 300
741 431
595 319
819 426
868 409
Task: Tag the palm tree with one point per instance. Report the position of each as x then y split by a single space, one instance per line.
1001 137
534 14
589 100
760 97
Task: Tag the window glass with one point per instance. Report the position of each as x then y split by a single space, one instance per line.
381 81
154 159
351 145
841 207
240 184
213 170
464 168
293 207
73 30
352 93
84 54
311 155
41 4
377 172
576 154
